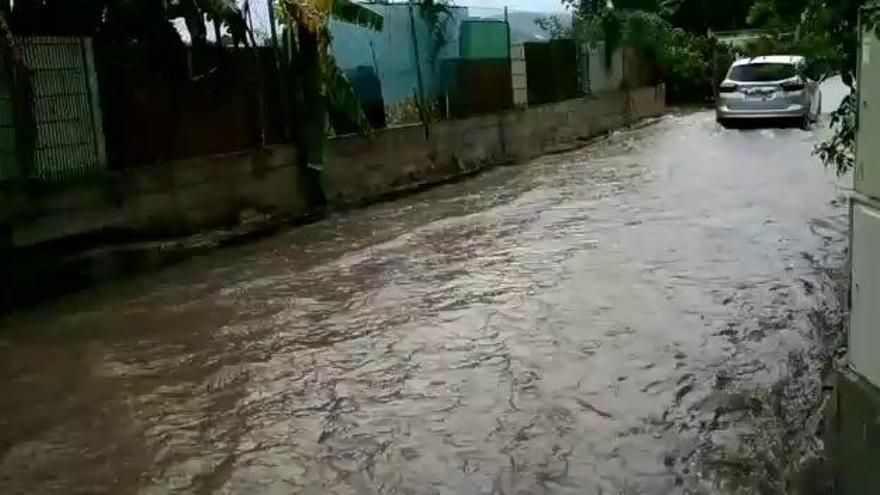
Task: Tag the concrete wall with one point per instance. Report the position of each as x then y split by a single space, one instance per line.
851 434
602 78
177 197
362 170
186 196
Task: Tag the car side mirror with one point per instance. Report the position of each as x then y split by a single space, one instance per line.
811 71
803 72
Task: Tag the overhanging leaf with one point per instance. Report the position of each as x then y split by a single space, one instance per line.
309 14
341 97
227 13
313 14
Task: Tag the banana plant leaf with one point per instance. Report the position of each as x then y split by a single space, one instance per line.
340 96
325 89
313 14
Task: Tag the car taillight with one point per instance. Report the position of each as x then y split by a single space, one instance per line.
793 85
727 88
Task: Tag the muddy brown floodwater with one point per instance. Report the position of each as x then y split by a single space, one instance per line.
648 314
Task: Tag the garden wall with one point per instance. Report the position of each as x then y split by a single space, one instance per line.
186 196
361 169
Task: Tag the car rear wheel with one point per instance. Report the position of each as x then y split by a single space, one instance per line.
805 122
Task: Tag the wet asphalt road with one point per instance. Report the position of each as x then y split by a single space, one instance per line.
649 314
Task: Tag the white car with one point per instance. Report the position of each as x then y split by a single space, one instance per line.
772 87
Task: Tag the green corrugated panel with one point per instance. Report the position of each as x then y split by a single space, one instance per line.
484 40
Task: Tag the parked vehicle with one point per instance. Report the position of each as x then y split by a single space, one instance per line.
771 87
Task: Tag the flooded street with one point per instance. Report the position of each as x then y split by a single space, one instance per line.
648 314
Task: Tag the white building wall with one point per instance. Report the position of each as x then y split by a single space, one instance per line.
864 331
864 336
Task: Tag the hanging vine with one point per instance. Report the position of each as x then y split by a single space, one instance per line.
436 15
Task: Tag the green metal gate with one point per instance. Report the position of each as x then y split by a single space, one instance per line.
70 138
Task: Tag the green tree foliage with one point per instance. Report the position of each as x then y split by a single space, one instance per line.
146 21
555 26
697 16
776 13
690 62
700 16
824 32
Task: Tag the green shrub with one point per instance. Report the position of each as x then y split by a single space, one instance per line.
691 65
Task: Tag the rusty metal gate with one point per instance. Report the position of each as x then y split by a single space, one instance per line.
69 133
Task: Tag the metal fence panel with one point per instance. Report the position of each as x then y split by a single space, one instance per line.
8 161
69 139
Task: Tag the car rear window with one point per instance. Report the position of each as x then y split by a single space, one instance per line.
762 72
